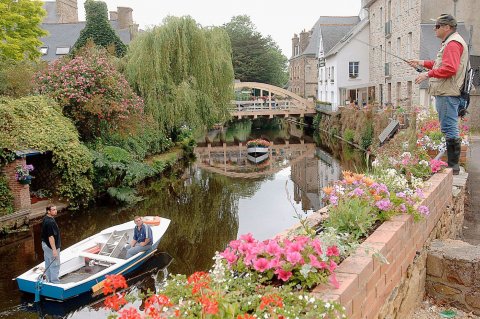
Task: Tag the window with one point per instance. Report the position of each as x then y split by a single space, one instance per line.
62 50
333 74
399 46
409 45
353 69
44 50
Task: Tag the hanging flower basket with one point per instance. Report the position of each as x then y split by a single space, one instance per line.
26 181
22 174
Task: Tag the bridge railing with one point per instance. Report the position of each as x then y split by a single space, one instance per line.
261 105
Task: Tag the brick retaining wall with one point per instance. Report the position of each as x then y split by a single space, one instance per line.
366 285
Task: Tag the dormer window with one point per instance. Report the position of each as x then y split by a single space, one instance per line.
62 50
44 50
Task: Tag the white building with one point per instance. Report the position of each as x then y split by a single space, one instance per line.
332 31
349 61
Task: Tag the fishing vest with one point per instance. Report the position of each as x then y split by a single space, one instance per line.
449 86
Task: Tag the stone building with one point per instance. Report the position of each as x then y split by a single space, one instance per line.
404 28
63 27
303 68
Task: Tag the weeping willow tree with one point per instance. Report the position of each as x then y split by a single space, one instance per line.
184 73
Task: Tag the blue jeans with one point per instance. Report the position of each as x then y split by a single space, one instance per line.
53 271
131 251
447 108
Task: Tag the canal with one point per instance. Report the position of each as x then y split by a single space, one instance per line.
210 202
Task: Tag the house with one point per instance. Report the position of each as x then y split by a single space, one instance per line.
344 70
404 28
63 27
310 47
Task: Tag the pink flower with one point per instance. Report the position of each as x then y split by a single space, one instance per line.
247 238
295 258
315 262
261 264
283 274
333 251
333 266
334 281
273 248
229 256
317 246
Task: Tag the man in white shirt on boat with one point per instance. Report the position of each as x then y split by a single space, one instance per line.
142 238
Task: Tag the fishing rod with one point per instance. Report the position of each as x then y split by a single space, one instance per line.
419 68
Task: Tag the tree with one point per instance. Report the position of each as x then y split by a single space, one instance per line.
255 58
99 29
20 29
184 72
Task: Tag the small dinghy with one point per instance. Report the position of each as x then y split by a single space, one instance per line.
257 150
84 265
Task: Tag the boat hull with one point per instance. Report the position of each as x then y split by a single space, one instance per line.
27 282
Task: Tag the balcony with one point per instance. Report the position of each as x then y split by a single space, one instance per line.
388 69
388 29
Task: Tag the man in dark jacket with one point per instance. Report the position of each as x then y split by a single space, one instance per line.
51 244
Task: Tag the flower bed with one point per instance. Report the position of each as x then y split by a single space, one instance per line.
366 283
431 139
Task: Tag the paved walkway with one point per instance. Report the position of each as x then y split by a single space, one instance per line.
471 225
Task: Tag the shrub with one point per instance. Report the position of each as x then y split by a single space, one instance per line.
36 122
349 135
92 93
6 197
98 29
367 136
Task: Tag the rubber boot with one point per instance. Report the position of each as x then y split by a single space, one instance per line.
454 146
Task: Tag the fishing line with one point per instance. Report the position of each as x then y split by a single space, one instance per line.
418 68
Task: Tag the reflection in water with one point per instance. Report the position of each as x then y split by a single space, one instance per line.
211 202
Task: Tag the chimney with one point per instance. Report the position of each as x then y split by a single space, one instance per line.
113 15
304 40
125 18
294 44
67 11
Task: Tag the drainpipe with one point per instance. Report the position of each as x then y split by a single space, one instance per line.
455 8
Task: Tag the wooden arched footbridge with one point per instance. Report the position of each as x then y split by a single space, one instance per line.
272 101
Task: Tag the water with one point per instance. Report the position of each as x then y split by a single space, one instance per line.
210 202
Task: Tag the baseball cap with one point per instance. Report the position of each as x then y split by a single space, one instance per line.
446 19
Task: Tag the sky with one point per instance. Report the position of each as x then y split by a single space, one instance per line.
271 17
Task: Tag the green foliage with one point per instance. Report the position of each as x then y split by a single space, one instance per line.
160 165
16 77
92 93
20 29
349 135
184 73
36 122
317 119
255 58
6 197
116 172
99 29
367 136
353 216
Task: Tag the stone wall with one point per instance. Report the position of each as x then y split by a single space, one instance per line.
453 274
370 289
404 25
